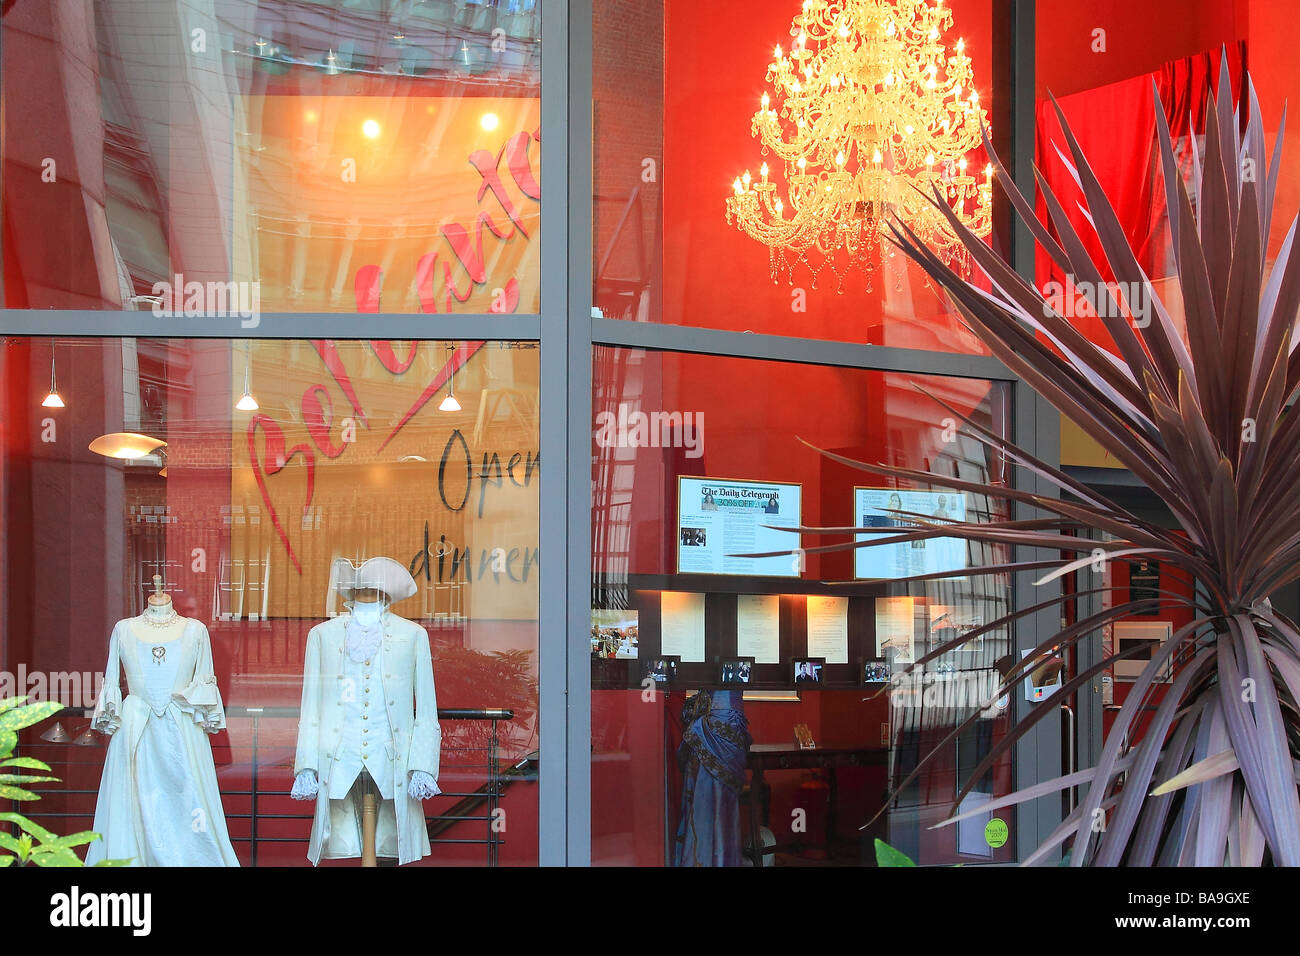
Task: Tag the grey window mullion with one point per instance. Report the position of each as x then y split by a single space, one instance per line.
563 797
1036 428
578 245
780 348
279 325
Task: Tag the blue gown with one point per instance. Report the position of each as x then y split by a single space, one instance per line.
712 759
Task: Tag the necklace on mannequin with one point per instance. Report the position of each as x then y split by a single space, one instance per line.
154 618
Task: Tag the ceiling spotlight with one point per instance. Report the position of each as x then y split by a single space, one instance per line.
370 129
490 121
247 403
449 404
53 399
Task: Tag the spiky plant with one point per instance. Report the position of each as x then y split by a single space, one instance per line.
1205 422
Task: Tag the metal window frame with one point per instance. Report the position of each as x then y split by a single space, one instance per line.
567 334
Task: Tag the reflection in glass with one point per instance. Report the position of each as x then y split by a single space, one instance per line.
273 157
150 469
825 753
679 122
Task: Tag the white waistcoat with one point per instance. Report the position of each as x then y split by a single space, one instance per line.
367 737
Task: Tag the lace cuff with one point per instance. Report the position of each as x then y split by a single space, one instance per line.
202 701
108 711
422 786
305 786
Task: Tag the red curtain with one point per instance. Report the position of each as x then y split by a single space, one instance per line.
1115 126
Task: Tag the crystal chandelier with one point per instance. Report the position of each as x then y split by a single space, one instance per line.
870 113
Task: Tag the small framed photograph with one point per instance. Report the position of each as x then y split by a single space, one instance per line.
809 671
875 670
695 537
736 671
662 669
614 634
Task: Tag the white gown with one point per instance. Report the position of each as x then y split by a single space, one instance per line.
159 804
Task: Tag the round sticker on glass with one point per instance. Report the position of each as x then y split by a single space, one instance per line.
995 832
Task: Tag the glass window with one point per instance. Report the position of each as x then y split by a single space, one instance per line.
740 701
272 157
237 475
745 171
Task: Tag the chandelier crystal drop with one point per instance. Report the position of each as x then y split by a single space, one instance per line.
870 112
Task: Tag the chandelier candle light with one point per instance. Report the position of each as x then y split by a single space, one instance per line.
871 114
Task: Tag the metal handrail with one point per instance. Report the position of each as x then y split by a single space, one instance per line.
1071 755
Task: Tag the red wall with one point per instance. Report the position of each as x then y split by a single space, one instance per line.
1139 37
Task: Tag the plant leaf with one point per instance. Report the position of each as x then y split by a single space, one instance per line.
886 855
1224 762
27 715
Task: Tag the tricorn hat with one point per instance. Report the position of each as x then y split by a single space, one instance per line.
383 573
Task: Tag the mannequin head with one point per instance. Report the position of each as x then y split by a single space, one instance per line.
367 605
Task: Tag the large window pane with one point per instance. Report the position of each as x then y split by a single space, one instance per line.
423 452
693 455
325 156
677 92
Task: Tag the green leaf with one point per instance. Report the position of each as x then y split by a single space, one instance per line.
14 793
20 717
886 855
8 741
74 839
35 829
126 862
59 858
23 779
9 841
6 861
10 702
26 763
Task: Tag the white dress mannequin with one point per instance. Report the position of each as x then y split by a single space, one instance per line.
159 804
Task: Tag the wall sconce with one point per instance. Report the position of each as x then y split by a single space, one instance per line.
126 445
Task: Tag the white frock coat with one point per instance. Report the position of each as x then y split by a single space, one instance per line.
412 708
